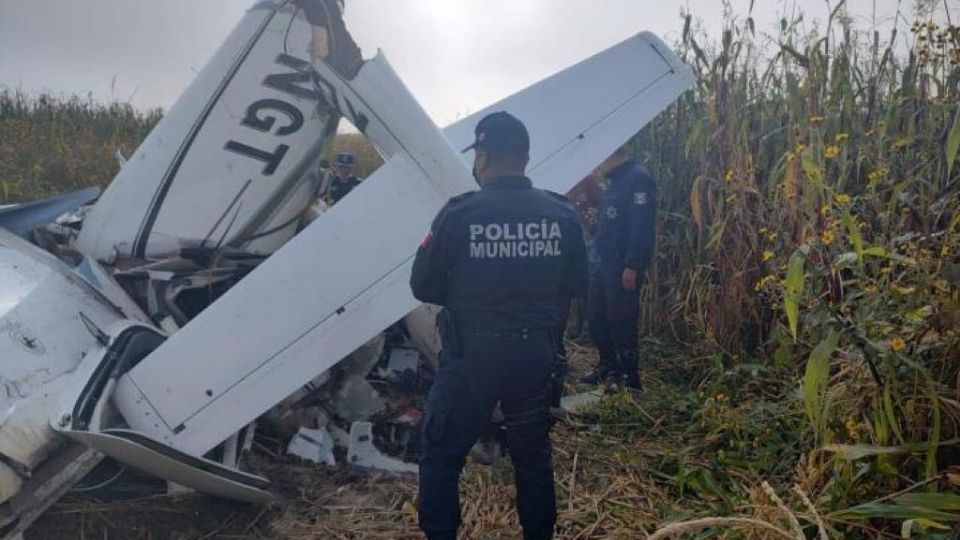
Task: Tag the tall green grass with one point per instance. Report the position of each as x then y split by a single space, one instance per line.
50 144
810 220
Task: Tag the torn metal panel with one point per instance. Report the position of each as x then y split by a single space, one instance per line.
402 366
23 218
362 453
98 277
421 325
355 399
314 445
576 402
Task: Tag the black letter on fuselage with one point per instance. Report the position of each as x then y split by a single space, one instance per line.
288 83
360 120
252 120
272 161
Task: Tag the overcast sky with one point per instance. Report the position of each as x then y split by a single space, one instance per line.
455 55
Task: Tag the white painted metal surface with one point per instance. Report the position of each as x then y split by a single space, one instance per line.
345 278
227 158
197 473
579 116
42 340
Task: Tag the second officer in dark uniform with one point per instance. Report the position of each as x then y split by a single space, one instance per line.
622 248
504 262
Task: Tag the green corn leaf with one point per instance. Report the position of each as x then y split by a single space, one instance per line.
816 378
792 289
931 464
932 501
854 231
853 452
895 511
953 143
906 531
889 412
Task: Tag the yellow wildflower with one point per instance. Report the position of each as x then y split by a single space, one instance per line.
800 149
897 344
852 430
817 120
730 175
843 198
825 210
768 256
902 143
832 152
764 230
842 138
765 282
827 237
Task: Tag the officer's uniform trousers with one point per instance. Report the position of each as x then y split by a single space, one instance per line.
515 369
613 315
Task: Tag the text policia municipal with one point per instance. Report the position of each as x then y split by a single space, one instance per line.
515 240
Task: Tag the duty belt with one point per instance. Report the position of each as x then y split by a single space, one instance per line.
521 334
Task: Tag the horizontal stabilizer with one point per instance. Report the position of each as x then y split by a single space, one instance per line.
23 218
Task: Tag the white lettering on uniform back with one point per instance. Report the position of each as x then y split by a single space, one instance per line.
531 240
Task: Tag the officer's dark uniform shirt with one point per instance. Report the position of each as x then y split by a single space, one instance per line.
626 233
506 257
340 187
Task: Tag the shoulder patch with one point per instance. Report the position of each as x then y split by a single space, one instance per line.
558 196
462 197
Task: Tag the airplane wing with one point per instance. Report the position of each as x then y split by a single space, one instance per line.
579 116
345 278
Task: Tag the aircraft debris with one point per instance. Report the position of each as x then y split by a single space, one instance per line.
206 285
363 454
314 445
576 402
356 399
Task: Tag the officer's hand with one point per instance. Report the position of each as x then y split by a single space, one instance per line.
629 279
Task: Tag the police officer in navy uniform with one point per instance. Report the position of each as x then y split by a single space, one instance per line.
622 249
504 262
343 180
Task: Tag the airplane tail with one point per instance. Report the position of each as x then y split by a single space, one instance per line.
234 156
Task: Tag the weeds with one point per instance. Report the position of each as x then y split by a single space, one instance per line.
809 249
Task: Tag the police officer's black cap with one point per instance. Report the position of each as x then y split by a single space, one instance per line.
346 159
503 132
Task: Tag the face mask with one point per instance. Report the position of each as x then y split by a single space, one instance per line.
476 170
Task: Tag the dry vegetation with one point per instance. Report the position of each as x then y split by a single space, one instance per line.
803 371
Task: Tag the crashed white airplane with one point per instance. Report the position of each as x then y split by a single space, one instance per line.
157 325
